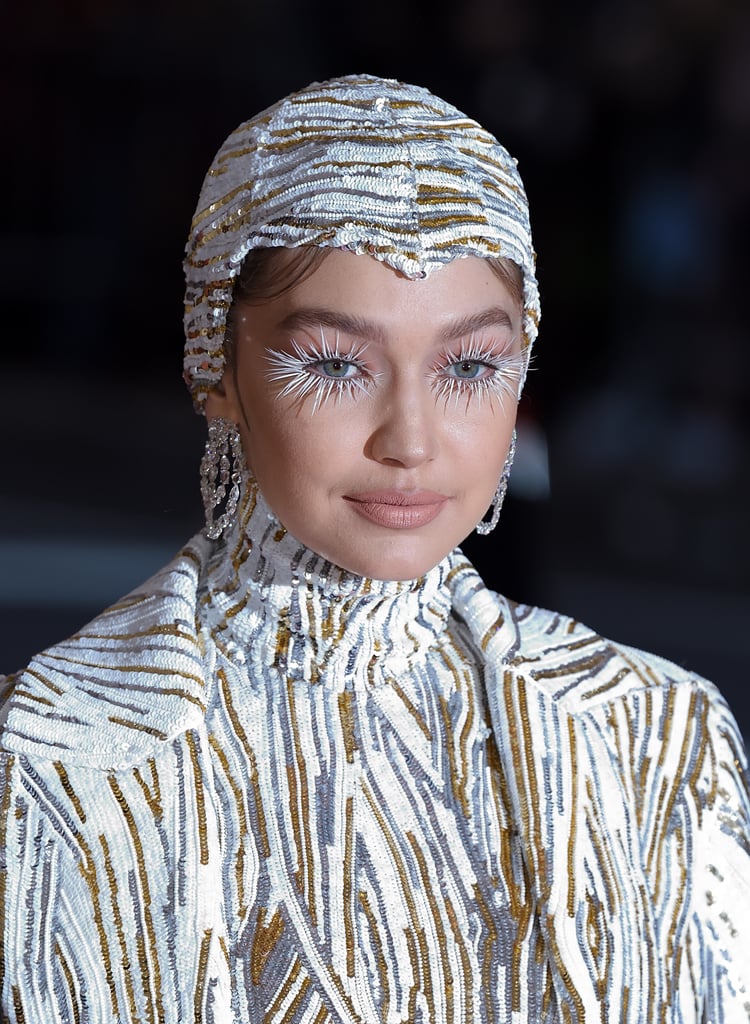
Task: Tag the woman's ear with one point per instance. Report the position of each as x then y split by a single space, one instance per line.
222 399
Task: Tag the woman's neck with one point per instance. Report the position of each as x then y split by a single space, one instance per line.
262 583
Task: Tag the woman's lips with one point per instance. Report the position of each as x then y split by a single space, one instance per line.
398 510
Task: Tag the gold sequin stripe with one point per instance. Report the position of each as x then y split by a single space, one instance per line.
202 990
439 198
490 942
430 887
148 957
644 673
608 899
526 780
290 1015
572 1007
101 671
348 895
320 219
322 1016
372 924
88 872
138 727
152 793
18 1005
324 221
589 666
119 930
34 698
346 715
239 731
167 630
243 830
430 171
299 810
501 801
200 799
265 940
674 950
610 684
621 719
464 989
218 205
673 792
73 1001
523 916
35 674
705 765
368 175
422 725
457 774
406 892
329 131
69 791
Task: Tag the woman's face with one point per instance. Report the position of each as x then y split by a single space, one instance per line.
376 412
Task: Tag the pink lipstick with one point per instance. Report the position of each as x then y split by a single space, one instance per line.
398 510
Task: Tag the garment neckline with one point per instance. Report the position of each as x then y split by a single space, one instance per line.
260 578
259 549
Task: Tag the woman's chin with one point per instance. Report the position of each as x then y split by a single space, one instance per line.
375 552
393 566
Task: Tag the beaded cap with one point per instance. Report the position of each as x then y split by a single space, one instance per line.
367 164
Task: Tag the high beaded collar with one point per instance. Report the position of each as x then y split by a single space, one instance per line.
264 588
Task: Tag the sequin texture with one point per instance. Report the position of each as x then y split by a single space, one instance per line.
366 164
261 788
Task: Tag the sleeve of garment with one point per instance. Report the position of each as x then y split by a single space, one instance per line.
53 941
721 881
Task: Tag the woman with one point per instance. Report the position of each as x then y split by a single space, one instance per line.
314 770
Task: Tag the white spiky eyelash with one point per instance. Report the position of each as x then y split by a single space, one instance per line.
293 369
506 381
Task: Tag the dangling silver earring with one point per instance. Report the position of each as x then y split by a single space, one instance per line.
221 475
483 527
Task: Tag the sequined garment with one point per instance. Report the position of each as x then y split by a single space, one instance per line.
367 164
261 789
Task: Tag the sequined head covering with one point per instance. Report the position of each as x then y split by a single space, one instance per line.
361 163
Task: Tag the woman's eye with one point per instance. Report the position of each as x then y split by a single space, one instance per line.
337 368
467 369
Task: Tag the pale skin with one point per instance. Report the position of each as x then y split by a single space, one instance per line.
376 411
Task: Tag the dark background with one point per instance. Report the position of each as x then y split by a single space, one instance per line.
631 122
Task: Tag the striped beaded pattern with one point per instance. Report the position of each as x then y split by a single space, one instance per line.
261 789
370 165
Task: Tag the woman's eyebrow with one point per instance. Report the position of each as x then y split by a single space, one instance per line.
494 316
348 323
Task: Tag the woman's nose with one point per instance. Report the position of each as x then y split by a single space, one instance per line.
406 432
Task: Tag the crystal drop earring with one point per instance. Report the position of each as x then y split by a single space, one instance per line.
483 527
221 475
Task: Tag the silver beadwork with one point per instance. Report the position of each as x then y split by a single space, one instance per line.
365 164
221 475
483 527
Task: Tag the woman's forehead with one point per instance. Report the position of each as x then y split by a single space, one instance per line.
361 297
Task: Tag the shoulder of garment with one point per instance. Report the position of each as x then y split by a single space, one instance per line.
628 786
543 667
128 681
570 664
